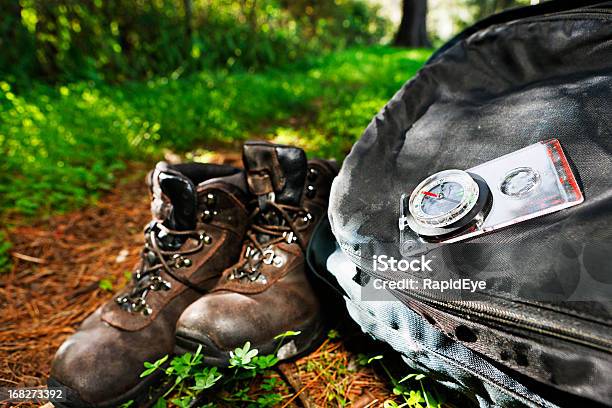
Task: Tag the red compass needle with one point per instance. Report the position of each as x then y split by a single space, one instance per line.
427 193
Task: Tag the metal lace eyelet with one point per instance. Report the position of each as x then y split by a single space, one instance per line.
268 256
138 304
151 257
180 262
312 174
206 239
210 200
157 283
206 216
310 191
304 220
176 258
236 274
253 277
154 282
278 261
289 237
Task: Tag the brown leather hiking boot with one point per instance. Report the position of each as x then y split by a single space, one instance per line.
199 220
267 292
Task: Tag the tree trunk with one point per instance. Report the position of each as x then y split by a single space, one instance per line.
188 15
412 31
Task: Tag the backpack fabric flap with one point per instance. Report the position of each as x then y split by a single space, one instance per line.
426 349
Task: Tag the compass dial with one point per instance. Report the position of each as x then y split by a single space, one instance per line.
443 198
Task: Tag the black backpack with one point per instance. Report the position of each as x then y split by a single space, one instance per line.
515 79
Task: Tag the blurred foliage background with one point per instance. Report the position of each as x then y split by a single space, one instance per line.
88 86
117 40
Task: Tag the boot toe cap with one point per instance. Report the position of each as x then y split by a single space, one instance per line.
222 321
216 322
100 363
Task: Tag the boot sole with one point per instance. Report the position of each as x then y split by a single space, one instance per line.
310 337
144 394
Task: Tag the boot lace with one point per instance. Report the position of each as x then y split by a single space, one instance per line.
280 223
155 258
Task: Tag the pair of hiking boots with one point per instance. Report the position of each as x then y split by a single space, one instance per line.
223 263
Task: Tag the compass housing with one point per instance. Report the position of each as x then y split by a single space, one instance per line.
423 197
469 206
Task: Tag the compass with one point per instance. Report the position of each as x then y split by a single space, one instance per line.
447 202
456 205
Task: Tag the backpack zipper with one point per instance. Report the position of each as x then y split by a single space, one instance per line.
487 313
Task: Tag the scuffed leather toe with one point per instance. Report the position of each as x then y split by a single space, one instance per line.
217 319
222 321
91 360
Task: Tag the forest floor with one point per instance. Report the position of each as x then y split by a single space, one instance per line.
68 265
61 267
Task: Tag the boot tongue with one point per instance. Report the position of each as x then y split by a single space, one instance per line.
275 172
174 202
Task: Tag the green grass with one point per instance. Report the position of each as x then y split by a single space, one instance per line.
61 146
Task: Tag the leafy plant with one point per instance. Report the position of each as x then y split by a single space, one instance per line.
242 357
106 285
378 357
265 362
288 333
206 378
412 397
269 400
333 334
187 377
151 367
